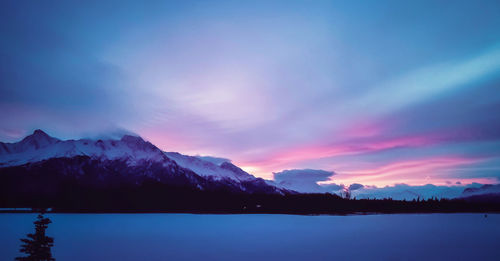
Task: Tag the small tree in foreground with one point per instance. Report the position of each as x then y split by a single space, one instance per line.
37 246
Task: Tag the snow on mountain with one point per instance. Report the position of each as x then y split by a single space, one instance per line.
40 146
214 160
133 150
208 168
37 140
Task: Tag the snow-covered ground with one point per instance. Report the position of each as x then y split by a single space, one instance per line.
156 237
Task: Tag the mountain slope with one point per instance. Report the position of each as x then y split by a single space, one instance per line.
107 163
40 146
208 169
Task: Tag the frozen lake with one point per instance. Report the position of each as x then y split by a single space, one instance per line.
260 237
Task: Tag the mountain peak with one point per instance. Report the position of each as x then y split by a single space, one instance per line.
39 132
40 135
129 138
37 140
137 142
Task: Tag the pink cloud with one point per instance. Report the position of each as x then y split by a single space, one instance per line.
412 172
356 140
362 139
290 156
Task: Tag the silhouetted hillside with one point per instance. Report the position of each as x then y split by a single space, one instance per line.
81 184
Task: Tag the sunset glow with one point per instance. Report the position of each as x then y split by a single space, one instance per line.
374 100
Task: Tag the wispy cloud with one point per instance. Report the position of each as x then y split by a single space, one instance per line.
414 172
341 87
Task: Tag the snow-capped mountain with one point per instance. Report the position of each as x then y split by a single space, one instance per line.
40 146
130 155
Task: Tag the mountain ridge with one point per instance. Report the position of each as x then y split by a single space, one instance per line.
134 152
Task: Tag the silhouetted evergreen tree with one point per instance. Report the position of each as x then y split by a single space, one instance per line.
37 246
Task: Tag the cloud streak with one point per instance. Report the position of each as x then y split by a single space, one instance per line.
285 85
436 170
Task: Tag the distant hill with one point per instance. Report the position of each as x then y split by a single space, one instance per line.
485 193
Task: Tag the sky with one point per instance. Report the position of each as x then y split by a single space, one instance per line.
375 92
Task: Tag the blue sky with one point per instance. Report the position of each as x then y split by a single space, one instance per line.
377 92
